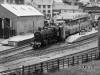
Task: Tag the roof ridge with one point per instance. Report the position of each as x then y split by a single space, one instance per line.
19 12
36 8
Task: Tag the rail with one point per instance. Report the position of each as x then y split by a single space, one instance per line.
58 63
13 49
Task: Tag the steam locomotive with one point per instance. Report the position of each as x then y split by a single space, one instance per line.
47 36
72 23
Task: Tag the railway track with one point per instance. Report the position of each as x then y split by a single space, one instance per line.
31 52
8 51
79 60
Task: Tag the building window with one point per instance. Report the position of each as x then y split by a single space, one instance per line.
39 6
31 0
48 6
44 11
19 1
48 11
44 6
48 16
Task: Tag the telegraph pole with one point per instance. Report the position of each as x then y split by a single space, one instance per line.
79 27
3 26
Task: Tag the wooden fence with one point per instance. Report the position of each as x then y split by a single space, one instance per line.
58 63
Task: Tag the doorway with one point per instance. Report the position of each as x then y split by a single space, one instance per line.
6 29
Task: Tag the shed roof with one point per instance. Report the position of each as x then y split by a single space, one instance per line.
22 10
60 5
72 16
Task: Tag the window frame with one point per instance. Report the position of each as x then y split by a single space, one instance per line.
49 11
44 6
49 6
39 6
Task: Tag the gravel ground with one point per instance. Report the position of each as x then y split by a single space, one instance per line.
34 60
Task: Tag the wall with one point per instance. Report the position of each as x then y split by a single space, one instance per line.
25 24
6 14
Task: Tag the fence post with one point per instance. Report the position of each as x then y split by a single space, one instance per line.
99 55
52 65
77 60
58 63
47 66
73 60
82 59
91 56
95 56
35 68
63 63
41 67
87 57
29 70
68 62
22 70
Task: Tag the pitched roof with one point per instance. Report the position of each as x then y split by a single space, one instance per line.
61 5
72 16
22 10
43 2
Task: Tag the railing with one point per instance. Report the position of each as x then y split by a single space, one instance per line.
58 63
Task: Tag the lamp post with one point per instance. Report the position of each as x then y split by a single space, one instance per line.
63 30
79 27
3 26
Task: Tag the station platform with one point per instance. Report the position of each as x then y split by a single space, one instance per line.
18 40
78 37
3 47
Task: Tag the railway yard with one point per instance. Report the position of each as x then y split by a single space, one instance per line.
31 45
14 58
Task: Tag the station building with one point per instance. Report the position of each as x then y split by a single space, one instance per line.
19 19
